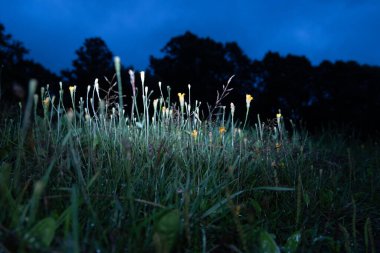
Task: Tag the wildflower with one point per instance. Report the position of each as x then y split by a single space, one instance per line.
96 86
142 75
46 102
155 102
278 115
194 134
248 99
222 130
232 109
72 90
181 99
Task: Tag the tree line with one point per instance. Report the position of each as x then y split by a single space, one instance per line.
340 93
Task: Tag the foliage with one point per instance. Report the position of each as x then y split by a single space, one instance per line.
93 179
203 63
15 70
94 60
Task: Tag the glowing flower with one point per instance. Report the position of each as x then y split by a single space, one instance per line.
155 102
232 109
72 90
222 130
248 99
278 115
181 99
142 75
194 134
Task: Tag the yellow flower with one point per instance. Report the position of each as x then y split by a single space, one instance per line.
248 99
46 101
181 99
222 130
72 90
278 115
194 134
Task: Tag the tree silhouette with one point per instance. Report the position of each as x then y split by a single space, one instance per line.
16 71
94 60
346 93
284 84
342 92
203 63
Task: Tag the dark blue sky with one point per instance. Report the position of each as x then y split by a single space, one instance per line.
319 29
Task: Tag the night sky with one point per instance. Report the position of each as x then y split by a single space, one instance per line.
318 29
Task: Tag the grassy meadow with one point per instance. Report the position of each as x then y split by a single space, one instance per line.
87 177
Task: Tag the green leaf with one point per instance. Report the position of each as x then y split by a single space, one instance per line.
44 231
293 242
272 188
166 230
267 243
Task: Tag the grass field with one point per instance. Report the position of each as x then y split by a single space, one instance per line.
163 180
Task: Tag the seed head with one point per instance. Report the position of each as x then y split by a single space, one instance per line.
155 102
232 109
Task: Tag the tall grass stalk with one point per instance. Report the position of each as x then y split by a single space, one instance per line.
115 183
